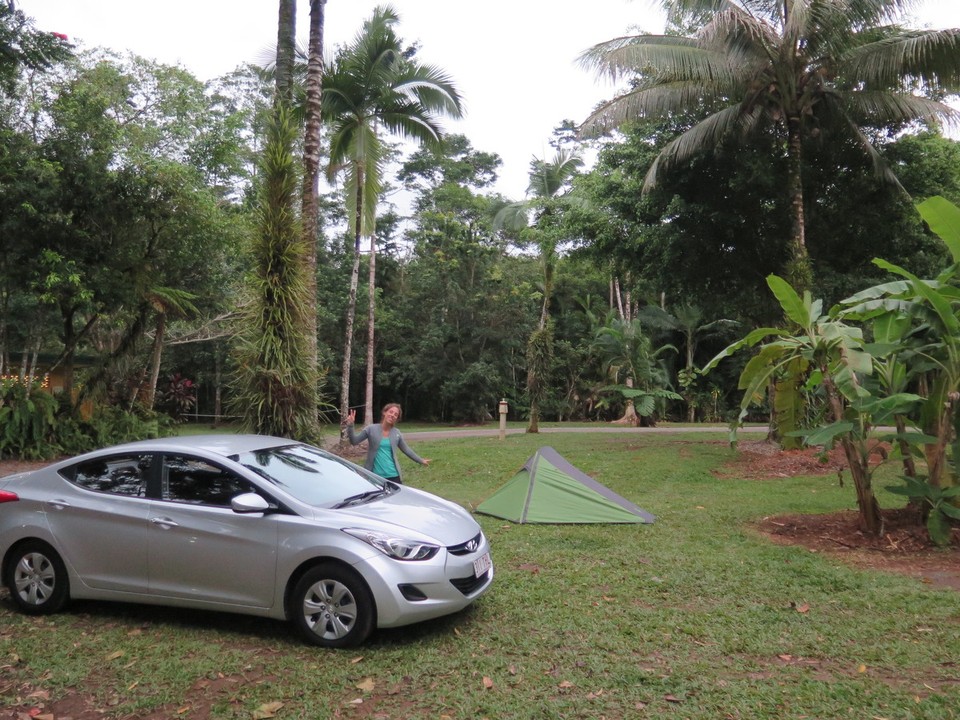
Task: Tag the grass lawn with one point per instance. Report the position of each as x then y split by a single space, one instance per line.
694 617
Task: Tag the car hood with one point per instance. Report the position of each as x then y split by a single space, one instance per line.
417 512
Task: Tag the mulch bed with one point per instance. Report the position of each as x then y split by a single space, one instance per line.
903 547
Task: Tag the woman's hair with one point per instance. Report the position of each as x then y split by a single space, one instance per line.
392 405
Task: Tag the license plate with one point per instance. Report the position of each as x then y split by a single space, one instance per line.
482 564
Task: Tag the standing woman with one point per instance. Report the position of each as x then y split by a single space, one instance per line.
382 456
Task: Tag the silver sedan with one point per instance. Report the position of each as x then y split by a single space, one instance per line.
240 523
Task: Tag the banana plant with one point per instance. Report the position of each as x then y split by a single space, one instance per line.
927 312
939 501
914 331
824 352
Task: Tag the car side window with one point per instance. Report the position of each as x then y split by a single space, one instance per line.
196 481
119 475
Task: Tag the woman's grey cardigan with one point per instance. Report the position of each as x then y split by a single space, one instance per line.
373 434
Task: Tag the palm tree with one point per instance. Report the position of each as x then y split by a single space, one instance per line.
166 302
798 66
311 167
631 362
547 181
374 84
688 320
275 382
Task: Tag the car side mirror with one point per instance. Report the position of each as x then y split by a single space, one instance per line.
249 503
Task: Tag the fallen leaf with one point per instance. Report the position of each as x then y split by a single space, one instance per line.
355 660
512 670
565 684
805 608
862 669
267 710
639 705
367 685
356 701
671 698
115 655
785 657
487 683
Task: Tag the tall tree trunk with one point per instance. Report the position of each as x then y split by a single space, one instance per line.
217 389
156 352
871 519
629 416
351 313
348 344
286 48
798 272
311 172
371 319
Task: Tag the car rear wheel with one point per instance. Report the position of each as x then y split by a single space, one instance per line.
37 578
332 606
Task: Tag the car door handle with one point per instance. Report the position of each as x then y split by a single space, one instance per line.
59 503
164 522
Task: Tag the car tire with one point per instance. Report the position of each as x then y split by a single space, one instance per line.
37 578
332 606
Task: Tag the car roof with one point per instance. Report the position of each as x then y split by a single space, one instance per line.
224 445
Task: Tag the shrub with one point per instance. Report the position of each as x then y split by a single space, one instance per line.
27 421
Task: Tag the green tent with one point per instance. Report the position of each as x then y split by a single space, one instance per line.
548 489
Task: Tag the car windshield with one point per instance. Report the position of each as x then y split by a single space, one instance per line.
314 476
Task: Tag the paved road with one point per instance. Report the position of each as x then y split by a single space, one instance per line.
488 432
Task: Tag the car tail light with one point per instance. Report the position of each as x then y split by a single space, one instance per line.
7 496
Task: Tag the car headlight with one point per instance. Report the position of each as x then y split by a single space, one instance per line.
399 548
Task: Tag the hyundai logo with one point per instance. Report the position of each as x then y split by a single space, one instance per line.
472 545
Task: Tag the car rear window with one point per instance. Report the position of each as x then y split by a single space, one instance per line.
116 475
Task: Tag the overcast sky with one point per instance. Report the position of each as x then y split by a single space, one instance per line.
513 60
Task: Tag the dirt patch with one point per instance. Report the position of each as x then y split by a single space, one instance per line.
903 547
759 460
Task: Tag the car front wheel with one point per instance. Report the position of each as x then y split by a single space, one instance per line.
37 578
332 606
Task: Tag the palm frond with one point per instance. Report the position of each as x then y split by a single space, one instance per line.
654 55
931 57
887 107
512 217
848 121
660 101
705 135
548 178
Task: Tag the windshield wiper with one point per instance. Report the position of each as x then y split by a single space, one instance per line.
360 498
